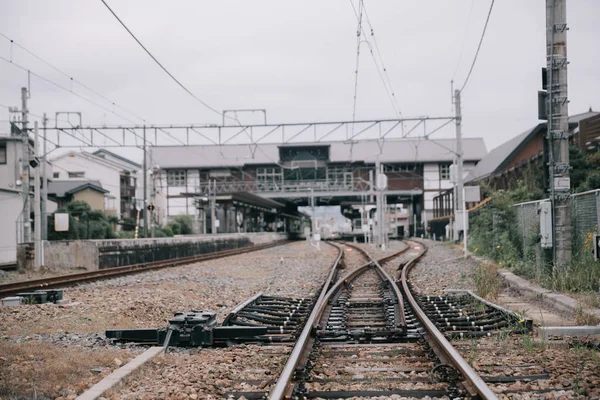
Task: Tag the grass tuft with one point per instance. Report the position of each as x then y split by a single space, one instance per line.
487 281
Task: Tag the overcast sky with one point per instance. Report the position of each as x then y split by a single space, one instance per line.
294 58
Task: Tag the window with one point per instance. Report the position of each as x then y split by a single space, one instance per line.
176 177
56 175
76 174
269 178
444 171
3 154
399 167
339 177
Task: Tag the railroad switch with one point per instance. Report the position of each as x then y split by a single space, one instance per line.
189 329
41 296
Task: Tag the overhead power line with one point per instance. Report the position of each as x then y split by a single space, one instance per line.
462 47
384 71
479 46
160 65
58 85
359 31
72 79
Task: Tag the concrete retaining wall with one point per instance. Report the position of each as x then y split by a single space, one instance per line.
99 254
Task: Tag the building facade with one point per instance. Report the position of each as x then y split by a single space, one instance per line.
334 173
118 177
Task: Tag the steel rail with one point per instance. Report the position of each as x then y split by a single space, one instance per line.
281 388
471 377
71 279
279 391
392 281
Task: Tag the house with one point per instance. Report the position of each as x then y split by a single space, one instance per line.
503 166
115 174
12 175
63 192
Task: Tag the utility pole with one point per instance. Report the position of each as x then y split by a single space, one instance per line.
145 172
36 203
213 205
558 129
25 169
44 218
460 200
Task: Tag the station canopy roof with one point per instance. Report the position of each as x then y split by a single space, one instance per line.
391 151
244 198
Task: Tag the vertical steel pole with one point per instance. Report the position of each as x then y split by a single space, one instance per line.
44 161
36 203
145 195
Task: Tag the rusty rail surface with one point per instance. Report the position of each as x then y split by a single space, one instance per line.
441 345
304 344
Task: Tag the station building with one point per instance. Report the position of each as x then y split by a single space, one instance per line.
186 178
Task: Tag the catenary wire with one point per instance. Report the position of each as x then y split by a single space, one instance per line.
380 54
71 78
160 65
479 46
65 89
358 41
464 41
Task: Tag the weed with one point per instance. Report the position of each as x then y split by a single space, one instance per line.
530 344
487 281
44 370
584 318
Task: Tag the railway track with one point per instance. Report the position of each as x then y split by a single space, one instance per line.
367 334
362 340
9 289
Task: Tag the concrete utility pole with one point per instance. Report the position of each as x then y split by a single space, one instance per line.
459 193
44 219
212 191
558 129
145 172
25 169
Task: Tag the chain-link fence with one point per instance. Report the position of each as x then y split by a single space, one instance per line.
585 219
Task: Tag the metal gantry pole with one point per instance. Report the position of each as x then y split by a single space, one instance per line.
44 162
145 172
36 204
558 129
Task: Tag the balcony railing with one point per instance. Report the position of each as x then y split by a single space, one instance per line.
127 191
285 187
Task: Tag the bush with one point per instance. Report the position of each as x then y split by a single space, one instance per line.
182 225
84 223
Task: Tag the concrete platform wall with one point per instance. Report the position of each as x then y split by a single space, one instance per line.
99 254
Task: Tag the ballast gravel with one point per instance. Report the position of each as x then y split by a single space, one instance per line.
148 300
442 268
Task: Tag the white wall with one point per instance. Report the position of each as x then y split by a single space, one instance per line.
11 205
432 181
107 176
